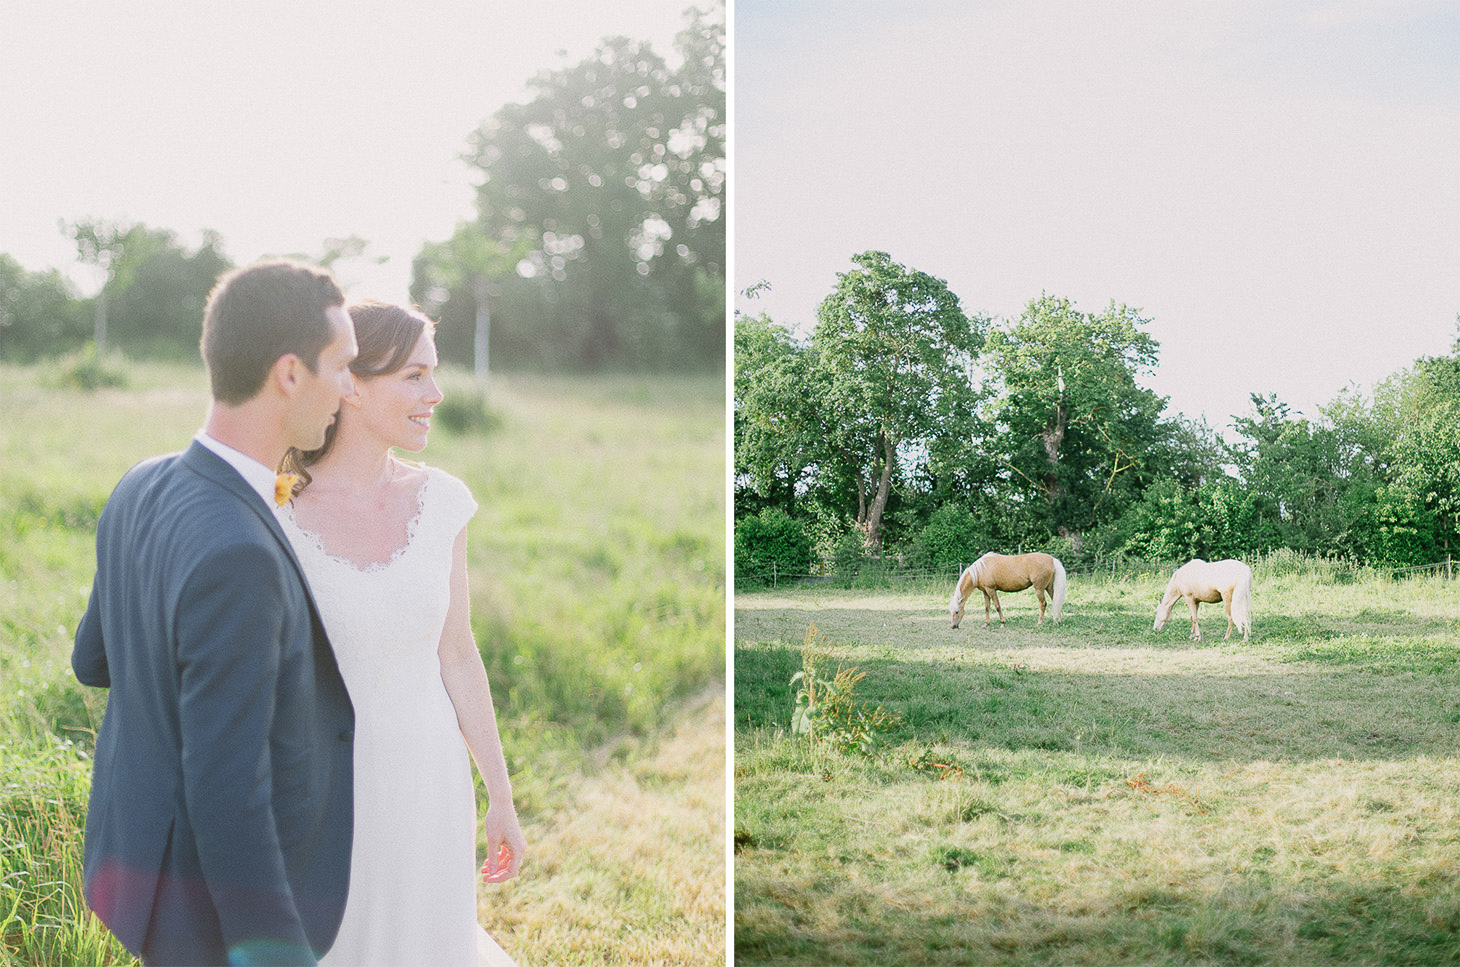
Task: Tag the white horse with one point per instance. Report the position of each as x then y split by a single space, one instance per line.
993 573
1227 581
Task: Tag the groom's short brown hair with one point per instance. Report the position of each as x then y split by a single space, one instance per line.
259 313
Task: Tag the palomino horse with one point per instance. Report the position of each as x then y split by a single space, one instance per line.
993 573
1227 581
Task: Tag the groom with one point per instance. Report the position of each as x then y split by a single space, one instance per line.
221 810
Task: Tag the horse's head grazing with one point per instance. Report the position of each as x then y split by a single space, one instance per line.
1163 610
955 604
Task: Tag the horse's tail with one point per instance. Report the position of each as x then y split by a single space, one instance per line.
1242 602
1059 588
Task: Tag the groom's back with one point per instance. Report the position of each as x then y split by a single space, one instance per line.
221 720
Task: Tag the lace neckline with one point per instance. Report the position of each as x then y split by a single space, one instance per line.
316 541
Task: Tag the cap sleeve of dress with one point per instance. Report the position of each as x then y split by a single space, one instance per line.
457 504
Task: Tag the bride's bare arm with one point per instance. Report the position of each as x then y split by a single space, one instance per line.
466 683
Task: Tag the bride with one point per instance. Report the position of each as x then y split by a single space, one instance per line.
383 545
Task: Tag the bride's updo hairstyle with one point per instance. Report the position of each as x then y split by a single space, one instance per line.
386 335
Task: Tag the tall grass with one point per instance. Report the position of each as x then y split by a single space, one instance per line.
42 816
1095 792
598 587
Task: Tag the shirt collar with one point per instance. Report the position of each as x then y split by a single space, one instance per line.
255 474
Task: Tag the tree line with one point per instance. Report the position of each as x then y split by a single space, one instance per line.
598 240
904 425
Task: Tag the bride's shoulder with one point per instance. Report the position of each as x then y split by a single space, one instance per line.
445 485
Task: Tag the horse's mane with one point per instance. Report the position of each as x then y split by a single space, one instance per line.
968 578
976 568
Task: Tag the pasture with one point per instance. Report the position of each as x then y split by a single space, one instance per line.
1095 792
598 593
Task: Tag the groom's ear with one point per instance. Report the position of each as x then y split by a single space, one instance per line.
287 373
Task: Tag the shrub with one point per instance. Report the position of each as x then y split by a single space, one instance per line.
1286 562
466 412
952 539
1396 529
849 554
768 546
87 369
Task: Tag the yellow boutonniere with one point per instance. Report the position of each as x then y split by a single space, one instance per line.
284 485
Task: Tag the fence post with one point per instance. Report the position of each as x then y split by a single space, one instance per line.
1449 568
774 583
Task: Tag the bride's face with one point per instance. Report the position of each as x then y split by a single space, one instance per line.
396 407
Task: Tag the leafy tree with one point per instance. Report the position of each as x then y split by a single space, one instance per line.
156 289
777 425
1297 469
1422 407
1072 415
893 371
461 277
99 243
610 182
40 314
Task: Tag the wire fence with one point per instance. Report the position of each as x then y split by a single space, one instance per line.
892 571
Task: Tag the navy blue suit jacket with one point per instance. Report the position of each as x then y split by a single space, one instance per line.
221 803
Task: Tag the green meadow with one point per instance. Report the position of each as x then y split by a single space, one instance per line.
598 593
1095 792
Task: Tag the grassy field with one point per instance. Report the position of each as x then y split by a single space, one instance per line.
598 586
1098 793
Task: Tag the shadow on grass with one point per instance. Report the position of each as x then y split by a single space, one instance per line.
1344 921
1281 713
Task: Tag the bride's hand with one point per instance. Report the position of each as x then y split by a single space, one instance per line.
505 845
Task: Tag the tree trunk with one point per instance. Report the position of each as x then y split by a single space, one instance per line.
873 526
482 338
1053 435
98 333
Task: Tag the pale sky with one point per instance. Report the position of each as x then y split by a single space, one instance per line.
1275 184
277 123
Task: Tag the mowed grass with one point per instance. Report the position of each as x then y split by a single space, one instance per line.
598 587
1096 792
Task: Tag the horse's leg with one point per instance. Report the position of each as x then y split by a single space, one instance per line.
1227 600
1195 628
998 607
1039 593
986 613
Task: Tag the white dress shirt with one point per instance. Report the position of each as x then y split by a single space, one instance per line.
255 474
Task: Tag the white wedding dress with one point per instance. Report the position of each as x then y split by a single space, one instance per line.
413 869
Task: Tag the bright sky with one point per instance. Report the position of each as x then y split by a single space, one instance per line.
1275 184
277 123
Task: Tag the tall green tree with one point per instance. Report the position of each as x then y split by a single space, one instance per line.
1074 420
611 182
893 370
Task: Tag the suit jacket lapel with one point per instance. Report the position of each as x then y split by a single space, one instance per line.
206 463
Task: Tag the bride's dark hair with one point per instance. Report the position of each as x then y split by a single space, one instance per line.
386 335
